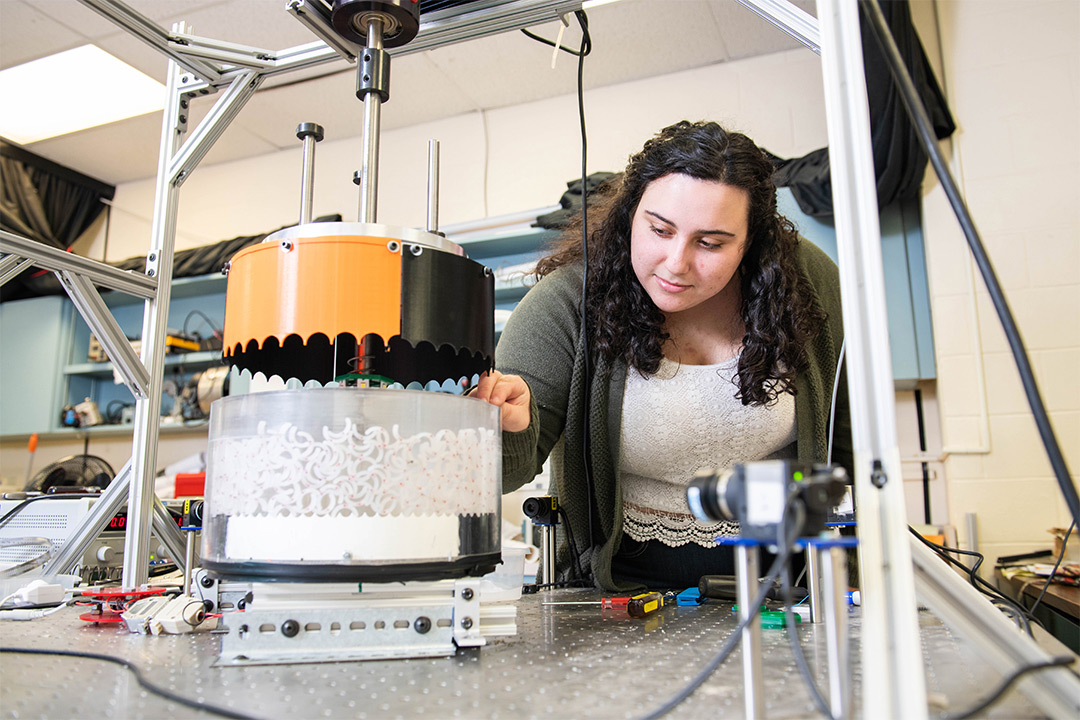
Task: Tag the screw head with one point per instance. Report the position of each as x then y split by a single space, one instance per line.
290 628
422 625
467 594
206 581
150 272
152 257
393 246
416 249
286 245
466 623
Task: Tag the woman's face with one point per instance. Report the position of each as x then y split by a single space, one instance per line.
687 239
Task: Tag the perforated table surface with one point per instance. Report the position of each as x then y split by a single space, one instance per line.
566 661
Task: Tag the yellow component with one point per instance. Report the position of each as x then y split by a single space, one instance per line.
643 604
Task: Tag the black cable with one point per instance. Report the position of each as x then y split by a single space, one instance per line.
585 49
1023 616
782 557
1050 578
1006 684
19 508
793 631
586 444
204 316
921 121
576 53
167 694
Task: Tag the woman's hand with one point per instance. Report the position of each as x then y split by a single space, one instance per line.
508 392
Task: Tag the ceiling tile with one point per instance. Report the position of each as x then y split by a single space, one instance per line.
27 34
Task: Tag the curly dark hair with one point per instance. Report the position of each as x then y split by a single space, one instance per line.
778 310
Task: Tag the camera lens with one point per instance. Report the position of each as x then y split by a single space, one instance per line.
707 496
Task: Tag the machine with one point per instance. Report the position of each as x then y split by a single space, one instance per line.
378 469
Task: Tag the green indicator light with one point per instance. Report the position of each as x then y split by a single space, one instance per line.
798 476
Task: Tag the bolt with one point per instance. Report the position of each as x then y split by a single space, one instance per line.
208 605
346 556
241 604
206 581
290 628
487 271
416 250
422 625
467 594
466 623
150 272
183 118
393 246
184 103
286 245
152 257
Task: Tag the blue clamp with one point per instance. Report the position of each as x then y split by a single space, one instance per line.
689 596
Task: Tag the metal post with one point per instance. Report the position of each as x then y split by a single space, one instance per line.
890 630
833 561
433 186
310 133
369 171
547 543
155 315
746 575
189 561
813 584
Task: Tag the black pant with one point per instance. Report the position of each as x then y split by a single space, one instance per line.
661 567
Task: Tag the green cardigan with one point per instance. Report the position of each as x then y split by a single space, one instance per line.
540 343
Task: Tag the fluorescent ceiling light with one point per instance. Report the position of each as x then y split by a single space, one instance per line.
72 90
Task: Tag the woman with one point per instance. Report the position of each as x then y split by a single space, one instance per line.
713 335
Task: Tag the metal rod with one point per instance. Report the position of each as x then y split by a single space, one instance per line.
890 629
833 563
11 266
53 259
212 126
310 133
369 171
789 19
153 35
746 575
1055 691
70 553
170 535
547 542
155 315
189 561
813 584
96 314
433 186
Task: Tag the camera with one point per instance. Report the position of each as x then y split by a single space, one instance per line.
542 510
758 495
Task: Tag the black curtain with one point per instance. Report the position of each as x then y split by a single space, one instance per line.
45 202
899 162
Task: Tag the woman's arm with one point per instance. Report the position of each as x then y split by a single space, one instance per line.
536 350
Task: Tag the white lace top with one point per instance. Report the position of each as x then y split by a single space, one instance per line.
683 418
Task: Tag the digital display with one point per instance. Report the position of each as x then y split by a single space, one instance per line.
119 521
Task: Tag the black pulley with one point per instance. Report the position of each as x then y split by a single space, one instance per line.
400 20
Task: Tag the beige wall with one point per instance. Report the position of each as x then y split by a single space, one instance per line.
1012 75
1012 72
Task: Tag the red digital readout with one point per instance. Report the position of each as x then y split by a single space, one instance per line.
119 521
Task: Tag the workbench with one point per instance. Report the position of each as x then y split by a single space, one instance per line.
566 661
